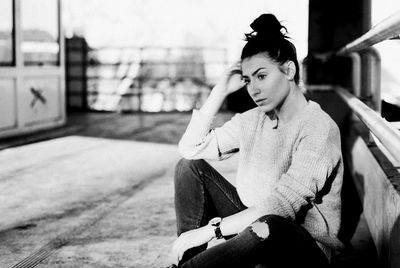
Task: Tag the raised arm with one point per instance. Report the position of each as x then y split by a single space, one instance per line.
230 82
199 140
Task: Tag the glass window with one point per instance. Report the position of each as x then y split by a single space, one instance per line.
6 33
40 34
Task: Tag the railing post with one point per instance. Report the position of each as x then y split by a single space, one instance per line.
376 79
370 90
356 81
356 73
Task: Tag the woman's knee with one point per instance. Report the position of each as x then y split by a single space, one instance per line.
186 168
184 165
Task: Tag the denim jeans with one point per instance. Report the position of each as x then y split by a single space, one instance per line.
201 193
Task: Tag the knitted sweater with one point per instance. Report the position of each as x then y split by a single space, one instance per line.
293 170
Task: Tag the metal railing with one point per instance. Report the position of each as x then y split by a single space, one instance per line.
384 131
387 29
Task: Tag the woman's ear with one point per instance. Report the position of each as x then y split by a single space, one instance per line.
290 70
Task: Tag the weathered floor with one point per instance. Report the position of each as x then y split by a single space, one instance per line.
85 200
90 193
88 202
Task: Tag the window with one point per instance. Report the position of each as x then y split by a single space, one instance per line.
40 32
6 33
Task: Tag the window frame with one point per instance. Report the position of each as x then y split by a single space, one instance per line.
13 61
43 64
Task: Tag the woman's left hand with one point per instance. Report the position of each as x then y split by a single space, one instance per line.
191 239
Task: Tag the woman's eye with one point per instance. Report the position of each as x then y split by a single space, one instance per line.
261 76
245 80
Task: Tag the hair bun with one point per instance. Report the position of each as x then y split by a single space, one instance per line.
268 24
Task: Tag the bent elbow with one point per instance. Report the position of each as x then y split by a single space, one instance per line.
185 151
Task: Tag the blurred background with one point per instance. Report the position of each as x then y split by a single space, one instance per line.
138 56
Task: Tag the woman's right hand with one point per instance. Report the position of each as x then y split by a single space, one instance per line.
231 80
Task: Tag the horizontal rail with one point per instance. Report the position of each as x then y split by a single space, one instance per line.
143 62
173 78
386 29
387 134
133 47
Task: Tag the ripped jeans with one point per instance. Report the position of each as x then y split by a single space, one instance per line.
201 193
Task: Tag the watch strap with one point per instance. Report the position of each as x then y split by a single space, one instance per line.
218 233
216 223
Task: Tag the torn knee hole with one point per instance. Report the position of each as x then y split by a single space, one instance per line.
261 229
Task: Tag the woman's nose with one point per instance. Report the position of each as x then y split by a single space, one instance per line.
253 90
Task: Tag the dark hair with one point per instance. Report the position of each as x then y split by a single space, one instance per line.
269 36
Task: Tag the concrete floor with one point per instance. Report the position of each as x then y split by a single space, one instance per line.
98 198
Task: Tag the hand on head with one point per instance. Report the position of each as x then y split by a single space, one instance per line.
231 80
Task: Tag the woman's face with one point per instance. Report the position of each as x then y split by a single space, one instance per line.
267 85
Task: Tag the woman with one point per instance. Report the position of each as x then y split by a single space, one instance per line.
285 208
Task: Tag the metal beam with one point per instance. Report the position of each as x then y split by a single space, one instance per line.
387 29
388 135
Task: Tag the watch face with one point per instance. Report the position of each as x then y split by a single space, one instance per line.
215 221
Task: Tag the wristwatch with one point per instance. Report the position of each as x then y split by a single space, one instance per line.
216 223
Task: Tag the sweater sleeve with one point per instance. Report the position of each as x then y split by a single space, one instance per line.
201 142
316 157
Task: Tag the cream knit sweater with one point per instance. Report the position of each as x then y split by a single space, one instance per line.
294 170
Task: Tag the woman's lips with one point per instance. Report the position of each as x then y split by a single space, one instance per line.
259 101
